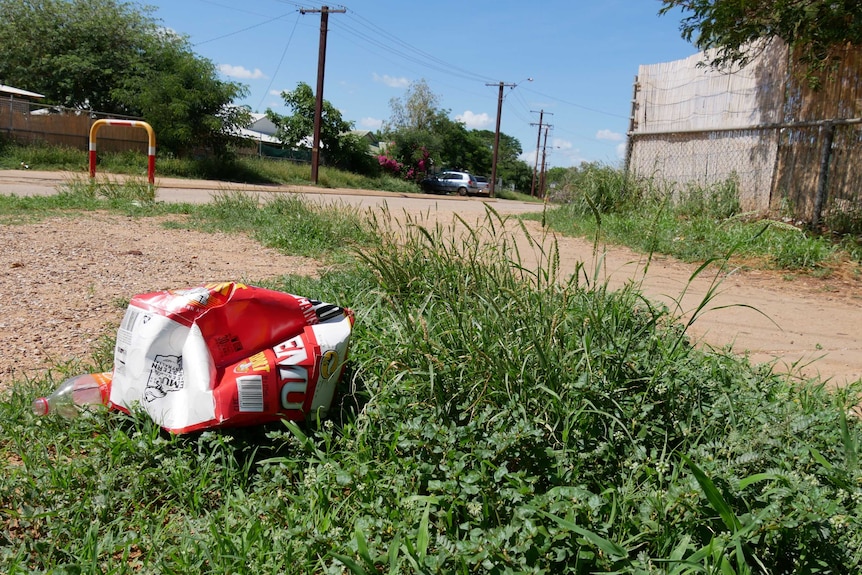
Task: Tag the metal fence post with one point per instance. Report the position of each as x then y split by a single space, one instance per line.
822 190
633 124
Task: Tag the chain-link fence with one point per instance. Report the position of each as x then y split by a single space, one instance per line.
792 149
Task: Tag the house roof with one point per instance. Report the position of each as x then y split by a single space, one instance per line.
19 92
261 123
258 136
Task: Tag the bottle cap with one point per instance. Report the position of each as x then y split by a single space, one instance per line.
40 406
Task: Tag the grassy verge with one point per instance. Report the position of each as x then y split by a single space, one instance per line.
495 419
243 170
693 224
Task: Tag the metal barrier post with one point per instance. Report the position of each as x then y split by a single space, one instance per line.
151 151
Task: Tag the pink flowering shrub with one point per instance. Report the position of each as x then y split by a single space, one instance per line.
390 165
419 164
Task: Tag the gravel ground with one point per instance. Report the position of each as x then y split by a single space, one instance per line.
66 281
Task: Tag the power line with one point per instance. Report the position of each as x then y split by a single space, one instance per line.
234 8
420 55
368 35
573 104
280 60
321 66
246 29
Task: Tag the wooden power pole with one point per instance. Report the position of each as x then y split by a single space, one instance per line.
502 85
493 185
538 145
542 182
321 67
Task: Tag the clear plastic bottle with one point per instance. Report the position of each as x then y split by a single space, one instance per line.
75 392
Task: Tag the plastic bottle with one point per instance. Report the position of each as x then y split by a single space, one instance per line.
75 392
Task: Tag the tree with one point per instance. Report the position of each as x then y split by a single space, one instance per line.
297 129
354 155
180 95
420 131
73 52
410 152
417 110
460 148
114 57
815 29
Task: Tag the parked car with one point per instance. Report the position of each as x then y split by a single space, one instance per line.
462 183
482 183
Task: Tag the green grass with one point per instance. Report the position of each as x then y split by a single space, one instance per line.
37 157
693 224
282 222
494 418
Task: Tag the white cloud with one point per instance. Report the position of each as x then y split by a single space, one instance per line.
621 150
560 144
474 121
610 135
559 153
528 157
371 123
240 72
564 154
401 82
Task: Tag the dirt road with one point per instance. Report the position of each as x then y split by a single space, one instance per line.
805 326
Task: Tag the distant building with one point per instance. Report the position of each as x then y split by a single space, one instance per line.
262 131
12 92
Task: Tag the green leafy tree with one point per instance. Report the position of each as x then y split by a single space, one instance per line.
420 131
414 144
354 155
297 129
510 167
459 147
412 151
73 52
417 110
181 96
114 57
815 29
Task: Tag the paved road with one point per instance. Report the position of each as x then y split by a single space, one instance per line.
30 182
810 327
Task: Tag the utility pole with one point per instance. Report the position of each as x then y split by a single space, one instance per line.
538 144
321 67
544 156
493 185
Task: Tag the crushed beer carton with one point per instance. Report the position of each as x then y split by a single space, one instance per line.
227 355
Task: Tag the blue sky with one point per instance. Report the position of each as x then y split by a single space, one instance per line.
583 56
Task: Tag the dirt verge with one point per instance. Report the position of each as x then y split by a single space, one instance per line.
66 280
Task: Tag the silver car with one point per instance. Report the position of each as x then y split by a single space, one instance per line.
462 183
482 183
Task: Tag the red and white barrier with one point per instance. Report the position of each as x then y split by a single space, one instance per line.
151 150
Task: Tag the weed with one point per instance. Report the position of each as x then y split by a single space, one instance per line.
695 224
128 191
497 417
